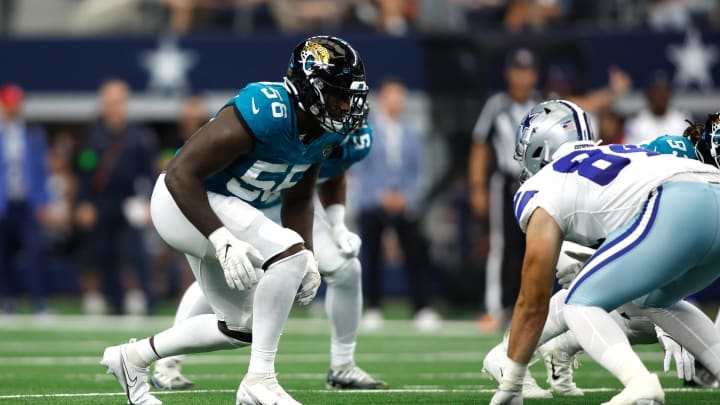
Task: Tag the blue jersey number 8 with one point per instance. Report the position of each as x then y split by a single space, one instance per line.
596 165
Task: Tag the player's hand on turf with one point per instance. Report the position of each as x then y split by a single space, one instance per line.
684 361
348 242
240 261
310 282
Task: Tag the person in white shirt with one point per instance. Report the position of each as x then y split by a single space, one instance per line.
659 116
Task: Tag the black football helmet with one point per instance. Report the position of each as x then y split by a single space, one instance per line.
327 79
707 148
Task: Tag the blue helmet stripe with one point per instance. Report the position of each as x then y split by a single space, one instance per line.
582 126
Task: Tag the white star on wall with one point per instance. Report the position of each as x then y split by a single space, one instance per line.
693 61
168 66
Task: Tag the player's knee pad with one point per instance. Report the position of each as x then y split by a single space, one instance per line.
235 337
293 265
346 275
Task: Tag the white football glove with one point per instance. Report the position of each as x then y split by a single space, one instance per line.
566 274
684 361
310 282
510 390
348 242
240 261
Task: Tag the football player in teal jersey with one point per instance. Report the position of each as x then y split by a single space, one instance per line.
265 145
336 251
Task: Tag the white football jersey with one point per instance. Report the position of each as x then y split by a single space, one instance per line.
591 191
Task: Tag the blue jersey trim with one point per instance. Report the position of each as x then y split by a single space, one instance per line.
521 202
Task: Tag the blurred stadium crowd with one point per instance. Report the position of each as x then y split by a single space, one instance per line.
394 17
74 219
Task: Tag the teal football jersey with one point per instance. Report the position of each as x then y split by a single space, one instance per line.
279 158
351 152
672 145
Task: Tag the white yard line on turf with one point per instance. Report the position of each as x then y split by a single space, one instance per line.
328 392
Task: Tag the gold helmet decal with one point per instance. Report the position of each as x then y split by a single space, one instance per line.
314 54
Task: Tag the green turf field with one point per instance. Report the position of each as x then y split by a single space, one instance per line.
55 361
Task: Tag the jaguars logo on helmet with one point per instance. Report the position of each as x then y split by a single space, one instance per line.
314 55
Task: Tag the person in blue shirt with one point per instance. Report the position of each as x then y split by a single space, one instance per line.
337 253
265 146
23 202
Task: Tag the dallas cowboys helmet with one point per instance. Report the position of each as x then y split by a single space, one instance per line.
327 79
707 147
544 129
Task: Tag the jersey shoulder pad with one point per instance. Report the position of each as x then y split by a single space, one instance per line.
266 109
359 144
671 145
524 204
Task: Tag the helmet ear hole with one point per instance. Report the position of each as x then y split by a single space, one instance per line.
537 152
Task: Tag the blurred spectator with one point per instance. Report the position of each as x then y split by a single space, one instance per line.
562 84
23 201
658 117
62 186
610 126
533 14
116 166
209 15
679 15
493 175
193 115
308 15
170 263
389 183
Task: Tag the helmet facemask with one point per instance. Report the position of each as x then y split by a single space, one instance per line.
711 137
340 110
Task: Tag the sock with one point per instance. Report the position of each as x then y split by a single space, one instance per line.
568 343
192 303
555 322
692 329
638 328
274 296
604 341
717 319
343 305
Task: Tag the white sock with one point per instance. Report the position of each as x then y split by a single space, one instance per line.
343 305
638 328
555 322
692 329
568 343
717 319
604 341
274 296
192 303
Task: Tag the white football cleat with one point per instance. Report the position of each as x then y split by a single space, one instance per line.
642 390
494 363
558 365
167 376
262 389
352 377
132 379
